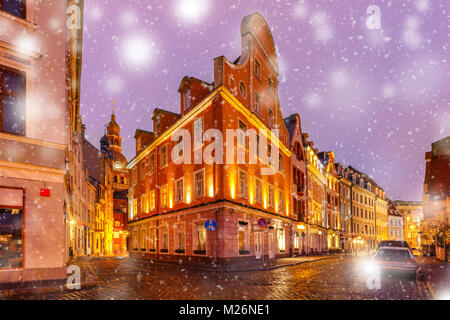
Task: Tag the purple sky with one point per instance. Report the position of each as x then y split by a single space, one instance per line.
377 98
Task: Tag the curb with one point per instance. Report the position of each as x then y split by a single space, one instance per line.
14 294
198 268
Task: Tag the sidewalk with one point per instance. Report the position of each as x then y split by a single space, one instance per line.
249 266
436 276
10 290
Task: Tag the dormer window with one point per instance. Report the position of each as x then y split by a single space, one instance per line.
187 99
257 69
15 7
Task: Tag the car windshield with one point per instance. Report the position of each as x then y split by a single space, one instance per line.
393 254
392 244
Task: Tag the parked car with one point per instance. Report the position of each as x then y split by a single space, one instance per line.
393 243
416 252
395 259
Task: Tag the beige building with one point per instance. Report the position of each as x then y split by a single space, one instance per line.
35 134
395 223
412 214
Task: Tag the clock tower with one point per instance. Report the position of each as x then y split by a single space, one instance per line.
116 178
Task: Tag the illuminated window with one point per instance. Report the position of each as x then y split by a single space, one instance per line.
271 196
135 208
144 208
152 239
164 196
199 183
281 200
258 190
11 225
179 190
143 239
243 184
15 7
198 133
281 239
280 162
152 200
200 238
296 240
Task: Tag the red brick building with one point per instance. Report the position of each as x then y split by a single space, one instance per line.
169 202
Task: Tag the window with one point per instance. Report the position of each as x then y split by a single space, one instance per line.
281 200
296 240
242 139
271 199
257 69
12 101
144 208
242 90
152 240
270 118
143 239
281 240
11 224
164 238
243 184
243 249
199 183
152 163
179 191
200 238
258 190
198 133
258 146
164 196
163 157
135 209
257 104
15 7
180 239
280 162
152 200
187 99
142 172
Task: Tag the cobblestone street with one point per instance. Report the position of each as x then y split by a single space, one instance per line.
336 278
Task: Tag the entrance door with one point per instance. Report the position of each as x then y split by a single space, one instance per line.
258 245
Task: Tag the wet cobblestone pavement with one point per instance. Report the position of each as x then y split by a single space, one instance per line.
338 278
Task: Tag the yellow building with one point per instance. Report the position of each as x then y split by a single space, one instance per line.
332 197
345 205
412 213
381 213
316 201
363 211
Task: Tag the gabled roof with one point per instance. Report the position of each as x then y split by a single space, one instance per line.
92 161
290 123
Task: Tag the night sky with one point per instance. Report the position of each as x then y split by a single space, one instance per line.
377 98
